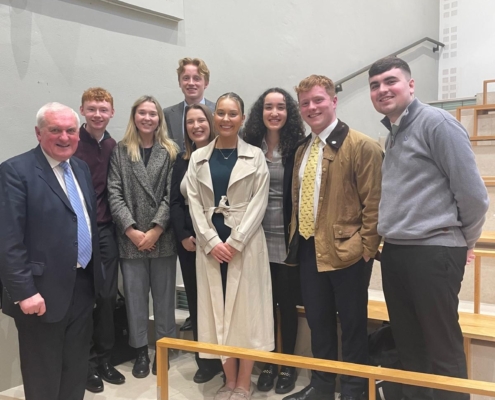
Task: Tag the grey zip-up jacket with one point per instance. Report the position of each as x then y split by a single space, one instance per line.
432 192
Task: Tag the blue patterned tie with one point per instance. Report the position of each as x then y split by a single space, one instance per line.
84 248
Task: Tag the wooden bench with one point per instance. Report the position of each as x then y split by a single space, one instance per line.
373 374
473 325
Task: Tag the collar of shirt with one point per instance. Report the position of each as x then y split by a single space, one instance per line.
102 136
324 134
396 124
185 103
53 163
276 156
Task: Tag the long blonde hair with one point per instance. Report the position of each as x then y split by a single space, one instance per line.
132 140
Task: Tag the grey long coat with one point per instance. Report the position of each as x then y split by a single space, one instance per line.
139 196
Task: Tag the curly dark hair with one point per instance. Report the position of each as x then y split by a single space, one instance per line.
290 134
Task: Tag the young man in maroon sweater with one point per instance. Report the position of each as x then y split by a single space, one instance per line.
95 147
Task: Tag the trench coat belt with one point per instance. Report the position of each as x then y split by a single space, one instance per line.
228 212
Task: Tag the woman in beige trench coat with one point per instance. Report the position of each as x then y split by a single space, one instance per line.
237 312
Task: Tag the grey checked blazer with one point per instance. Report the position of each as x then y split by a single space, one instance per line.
139 196
174 117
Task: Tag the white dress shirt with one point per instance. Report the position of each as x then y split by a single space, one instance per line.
323 137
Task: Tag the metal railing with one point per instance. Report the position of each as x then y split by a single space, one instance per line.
338 84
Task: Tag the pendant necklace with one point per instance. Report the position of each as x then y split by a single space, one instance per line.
223 155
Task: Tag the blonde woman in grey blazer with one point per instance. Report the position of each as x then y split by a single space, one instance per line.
139 195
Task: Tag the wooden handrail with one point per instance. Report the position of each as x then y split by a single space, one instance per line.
485 89
338 367
489 181
478 109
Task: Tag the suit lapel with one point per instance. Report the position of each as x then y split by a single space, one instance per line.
203 173
141 173
210 105
176 120
244 165
46 173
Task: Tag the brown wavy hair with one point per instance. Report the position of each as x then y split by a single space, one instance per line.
290 134
188 143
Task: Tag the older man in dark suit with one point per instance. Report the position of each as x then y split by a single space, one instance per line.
49 258
194 77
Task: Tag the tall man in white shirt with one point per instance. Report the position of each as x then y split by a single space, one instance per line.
49 257
333 234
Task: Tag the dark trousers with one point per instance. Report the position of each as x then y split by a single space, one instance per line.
325 294
286 291
54 355
187 261
421 286
104 333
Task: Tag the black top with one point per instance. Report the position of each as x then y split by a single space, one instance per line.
220 169
179 211
146 154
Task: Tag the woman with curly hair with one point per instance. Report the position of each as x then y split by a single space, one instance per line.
275 125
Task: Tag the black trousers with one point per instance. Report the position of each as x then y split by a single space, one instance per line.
54 355
325 294
286 291
104 333
421 286
187 261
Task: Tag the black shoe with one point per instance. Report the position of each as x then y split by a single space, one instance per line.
109 374
267 377
141 367
205 375
153 368
286 381
310 393
94 383
187 325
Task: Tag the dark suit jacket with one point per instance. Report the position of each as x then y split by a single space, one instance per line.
38 239
179 211
174 116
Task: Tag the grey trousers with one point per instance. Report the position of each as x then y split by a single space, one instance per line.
141 275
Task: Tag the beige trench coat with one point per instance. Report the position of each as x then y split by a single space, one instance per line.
246 319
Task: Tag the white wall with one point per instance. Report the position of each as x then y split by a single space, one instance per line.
53 50
466 27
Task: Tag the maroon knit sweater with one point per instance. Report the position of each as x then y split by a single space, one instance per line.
97 156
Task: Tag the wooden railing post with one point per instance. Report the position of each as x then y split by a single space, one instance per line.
477 284
162 372
371 389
